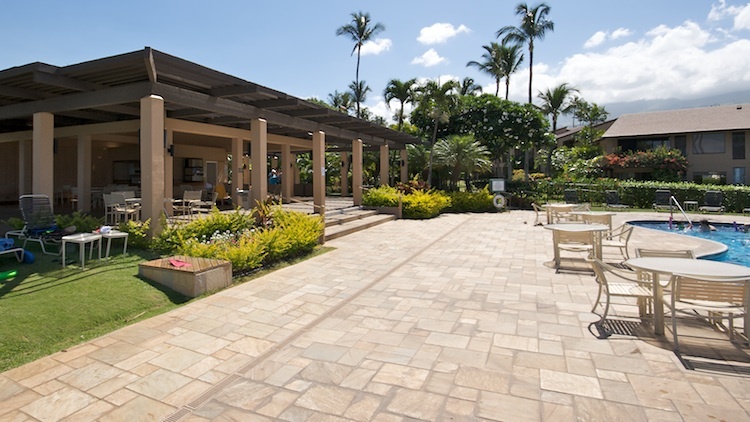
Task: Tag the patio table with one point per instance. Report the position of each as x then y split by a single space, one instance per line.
82 239
555 208
687 267
596 229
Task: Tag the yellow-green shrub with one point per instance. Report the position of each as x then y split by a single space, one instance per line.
425 204
479 201
383 196
293 234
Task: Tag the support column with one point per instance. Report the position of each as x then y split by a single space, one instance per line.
344 174
23 154
83 180
238 172
258 155
42 161
287 173
318 173
357 171
385 164
169 170
404 161
152 160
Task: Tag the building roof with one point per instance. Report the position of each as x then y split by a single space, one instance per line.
109 89
689 120
565 134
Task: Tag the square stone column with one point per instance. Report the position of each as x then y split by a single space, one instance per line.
83 181
357 171
318 173
169 170
24 153
258 160
404 162
344 174
385 164
43 163
152 161
287 172
238 172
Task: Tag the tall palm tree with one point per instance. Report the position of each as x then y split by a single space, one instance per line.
490 65
534 25
559 100
359 92
468 87
462 155
360 30
401 91
439 100
341 101
510 59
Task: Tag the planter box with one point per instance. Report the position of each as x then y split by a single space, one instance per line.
201 276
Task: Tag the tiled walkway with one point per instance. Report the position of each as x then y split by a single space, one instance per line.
455 318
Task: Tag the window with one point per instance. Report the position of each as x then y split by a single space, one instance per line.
628 145
710 178
680 142
739 175
738 145
709 143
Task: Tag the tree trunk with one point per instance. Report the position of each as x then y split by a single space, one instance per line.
432 146
511 153
526 160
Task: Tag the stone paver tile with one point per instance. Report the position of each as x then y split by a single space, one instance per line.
652 388
570 383
58 405
18 400
121 396
501 407
326 372
516 342
159 384
403 376
115 352
90 376
187 393
416 404
250 346
589 409
278 403
110 386
322 351
93 412
142 409
485 380
326 399
553 412
363 408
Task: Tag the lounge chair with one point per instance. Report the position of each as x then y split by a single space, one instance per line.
612 200
39 222
7 246
662 200
712 200
570 196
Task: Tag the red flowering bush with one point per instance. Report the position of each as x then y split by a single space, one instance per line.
667 164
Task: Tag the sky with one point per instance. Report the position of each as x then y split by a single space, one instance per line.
614 52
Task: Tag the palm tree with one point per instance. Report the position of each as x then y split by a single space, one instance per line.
401 91
439 100
534 25
462 155
341 101
360 31
468 87
510 58
359 92
491 64
559 100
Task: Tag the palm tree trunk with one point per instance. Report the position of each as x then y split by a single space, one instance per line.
507 87
497 87
356 80
531 65
432 147
510 164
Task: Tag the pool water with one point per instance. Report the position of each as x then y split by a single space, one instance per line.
737 242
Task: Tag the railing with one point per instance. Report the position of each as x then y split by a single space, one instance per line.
674 200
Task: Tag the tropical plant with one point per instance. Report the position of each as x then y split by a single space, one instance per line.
438 100
468 87
534 25
360 30
401 91
491 65
359 92
462 155
510 58
556 101
341 101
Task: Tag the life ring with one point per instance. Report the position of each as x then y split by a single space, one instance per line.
498 201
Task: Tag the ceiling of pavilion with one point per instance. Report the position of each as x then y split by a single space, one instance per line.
109 90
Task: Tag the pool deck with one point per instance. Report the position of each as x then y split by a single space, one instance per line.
455 318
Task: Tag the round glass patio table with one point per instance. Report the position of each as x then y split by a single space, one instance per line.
683 266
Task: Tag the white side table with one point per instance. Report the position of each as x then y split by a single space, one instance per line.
115 234
82 239
691 205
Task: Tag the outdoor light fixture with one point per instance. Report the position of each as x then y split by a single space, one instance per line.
170 150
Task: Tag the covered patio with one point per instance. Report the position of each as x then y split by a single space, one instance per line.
162 124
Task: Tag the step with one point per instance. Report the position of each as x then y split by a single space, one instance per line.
340 230
337 218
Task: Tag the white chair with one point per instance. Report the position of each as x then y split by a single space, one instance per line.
122 209
618 239
605 219
537 210
574 242
617 282
186 205
722 298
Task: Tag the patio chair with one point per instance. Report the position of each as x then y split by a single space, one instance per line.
722 298
619 238
7 246
712 201
617 282
570 196
612 200
574 242
662 200
186 205
39 222
605 219
537 210
205 206
645 276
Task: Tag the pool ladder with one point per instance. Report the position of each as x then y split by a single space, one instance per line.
673 199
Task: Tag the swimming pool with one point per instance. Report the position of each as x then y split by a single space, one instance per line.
737 242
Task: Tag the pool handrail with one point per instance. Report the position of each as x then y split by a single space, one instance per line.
673 199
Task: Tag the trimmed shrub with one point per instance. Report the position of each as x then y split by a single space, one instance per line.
293 234
383 196
479 201
137 233
425 204
83 222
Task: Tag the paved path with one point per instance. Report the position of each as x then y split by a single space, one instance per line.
455 318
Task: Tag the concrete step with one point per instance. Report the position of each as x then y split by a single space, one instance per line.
347 215
353 226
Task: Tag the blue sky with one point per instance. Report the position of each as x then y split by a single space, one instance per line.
612 51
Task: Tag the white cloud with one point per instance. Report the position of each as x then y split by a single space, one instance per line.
439 33
429 58
742 20
668 62
601 36
376 47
